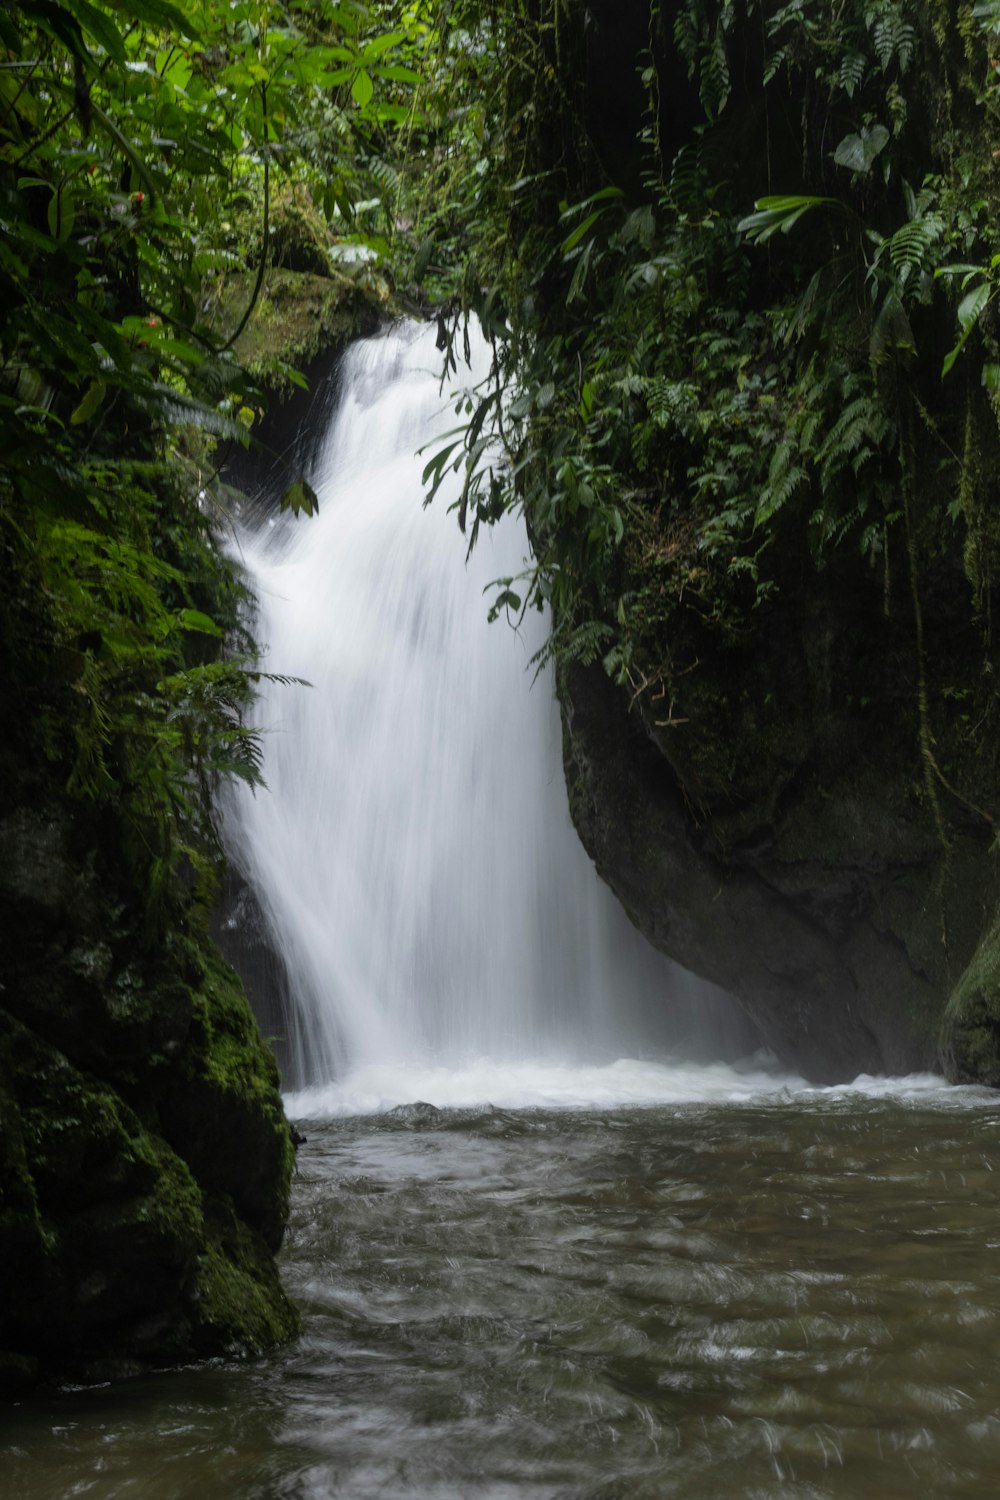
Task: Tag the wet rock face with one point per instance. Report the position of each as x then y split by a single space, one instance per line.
834 919
144 1155
244 938
971 1030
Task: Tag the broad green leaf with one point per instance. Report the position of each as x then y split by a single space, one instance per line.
857 152
969 311
100 26
782 213
61 214
396 73
972 305
380 44
92 398
892 331
571 242
362 88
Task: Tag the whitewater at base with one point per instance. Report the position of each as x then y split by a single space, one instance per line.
627 1083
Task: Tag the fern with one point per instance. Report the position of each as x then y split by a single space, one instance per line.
853 67
784 479
845 437
587 643
671 403
774 64
715 79
909 245
688 27
861 429
892 35
703 47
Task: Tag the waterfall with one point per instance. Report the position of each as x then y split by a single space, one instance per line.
413 853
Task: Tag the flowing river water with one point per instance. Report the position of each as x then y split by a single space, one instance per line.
782 1295
551 1238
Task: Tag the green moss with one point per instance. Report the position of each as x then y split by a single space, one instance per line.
223 1112
241 1306
298 315
970 1039
126 1247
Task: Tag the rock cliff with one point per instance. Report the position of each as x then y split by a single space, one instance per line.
145 1158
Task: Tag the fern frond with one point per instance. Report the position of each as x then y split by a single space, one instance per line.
853 68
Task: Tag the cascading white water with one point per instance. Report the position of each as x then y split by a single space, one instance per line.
413 853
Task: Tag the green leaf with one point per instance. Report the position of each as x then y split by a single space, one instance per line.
92 398
100 26
194 619
397 74
969 311
972 305
362 89
571 242
61 214
380 44
857 152
780 212
300 498
892 331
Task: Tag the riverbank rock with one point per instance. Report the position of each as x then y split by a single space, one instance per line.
774 834
145 1159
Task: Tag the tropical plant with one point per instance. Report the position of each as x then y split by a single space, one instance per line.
135 140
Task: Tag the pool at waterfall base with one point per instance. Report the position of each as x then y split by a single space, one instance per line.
781 1293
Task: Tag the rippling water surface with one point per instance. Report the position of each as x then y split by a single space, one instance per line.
794 1297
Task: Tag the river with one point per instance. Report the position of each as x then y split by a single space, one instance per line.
781 1294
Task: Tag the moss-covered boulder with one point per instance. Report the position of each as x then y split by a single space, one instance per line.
299 314
145 1159
971 1032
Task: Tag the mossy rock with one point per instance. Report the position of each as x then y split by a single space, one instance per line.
970 1036
222 1111
298 315
101 1221
238 1289
116 1257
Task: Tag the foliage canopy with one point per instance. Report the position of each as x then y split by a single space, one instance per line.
146 148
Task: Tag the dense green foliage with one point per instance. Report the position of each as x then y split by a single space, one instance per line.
738 344
148 150
739 266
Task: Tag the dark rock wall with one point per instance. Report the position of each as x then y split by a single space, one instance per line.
841 929
145 1159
